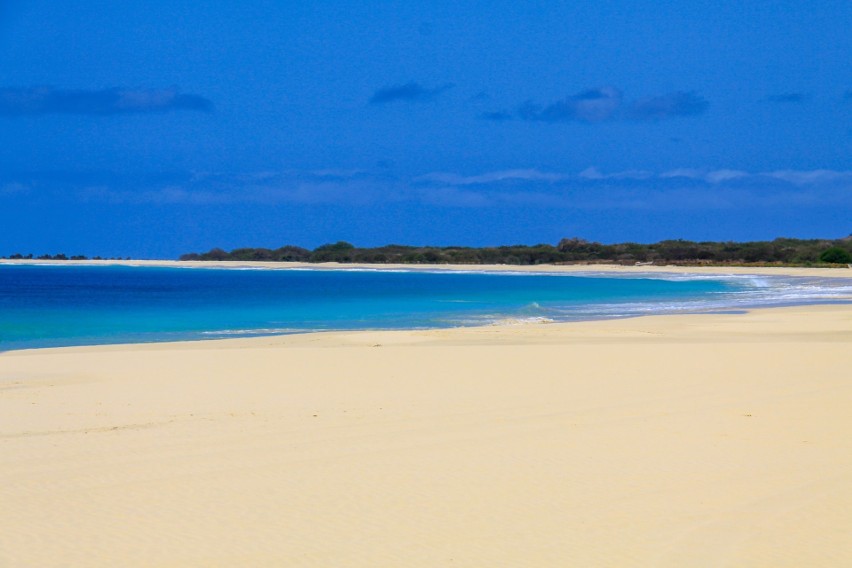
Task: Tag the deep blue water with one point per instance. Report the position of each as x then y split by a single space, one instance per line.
45 306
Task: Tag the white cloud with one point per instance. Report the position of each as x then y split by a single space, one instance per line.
491 177
811 177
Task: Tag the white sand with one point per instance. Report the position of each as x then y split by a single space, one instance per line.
712 440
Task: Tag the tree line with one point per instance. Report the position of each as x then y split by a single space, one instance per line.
781 251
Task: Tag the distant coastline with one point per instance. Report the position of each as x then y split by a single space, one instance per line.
779 252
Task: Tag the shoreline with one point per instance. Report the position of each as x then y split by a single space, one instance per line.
839 272
530 329
584 270
676 440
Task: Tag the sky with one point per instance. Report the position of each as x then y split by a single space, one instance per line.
151 129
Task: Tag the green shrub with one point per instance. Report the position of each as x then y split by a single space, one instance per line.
836 255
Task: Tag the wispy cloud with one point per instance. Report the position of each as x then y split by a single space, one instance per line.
497 116
788 98
668 106
35 101
709 176
412 92
591 105
491 177
678 189
603 104
811 177
590 189
719 176
14 188
594 173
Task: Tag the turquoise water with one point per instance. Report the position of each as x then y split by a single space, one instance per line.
48 306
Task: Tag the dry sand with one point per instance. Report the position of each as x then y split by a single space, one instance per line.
700 440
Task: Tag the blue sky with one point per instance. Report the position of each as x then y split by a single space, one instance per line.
156 128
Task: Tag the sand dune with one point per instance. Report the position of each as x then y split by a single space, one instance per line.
712 440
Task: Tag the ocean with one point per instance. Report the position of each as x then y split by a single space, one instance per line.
52 306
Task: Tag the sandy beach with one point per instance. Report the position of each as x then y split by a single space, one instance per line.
670 388
694 440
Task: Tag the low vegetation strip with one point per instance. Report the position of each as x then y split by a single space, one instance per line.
781 251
